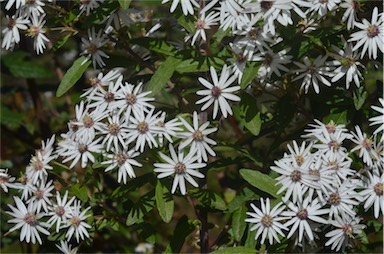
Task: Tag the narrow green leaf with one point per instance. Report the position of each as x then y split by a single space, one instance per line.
141 208
238 222
261 181
183 228
124 4
235 250
80 192
250 241
21 67
245 195
208 199
359 97
72 75
164 202
58 44
254 125
249 74
156 45
162 75
187 23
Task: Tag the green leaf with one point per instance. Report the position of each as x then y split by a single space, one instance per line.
164 202
359 97
183 228
124 4
187 23
250 241
21 67
199 64
261 181
235 250
238 222
249 74
208 199
162 75
337 118
245 195
61 42
72 75
249 114
141 208
156 45
9 118
80 192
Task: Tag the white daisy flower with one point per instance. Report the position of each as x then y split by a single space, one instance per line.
346 64
341 237
92 47
231 13
89 5
32 8
25 186
38 166
124 161
170 128
219 92
323 7
378 120
267 221
302 215
182 167
339 165
186 5
204 23
272 62
11 33
294 178
143 128
132 99
17 3
370 36
373 193
300 154
239 60
66 248
331 142
6 180
312 73
76 151
100 81
60 210
27 219
114 132
365 145
41 196
76 223
103 99
350 14
343 200
196 136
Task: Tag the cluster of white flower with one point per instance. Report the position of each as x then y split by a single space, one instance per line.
29 16
321 187
38 210
255 25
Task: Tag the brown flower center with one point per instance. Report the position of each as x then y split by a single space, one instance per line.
121 158
37 165
180 168
299 159
197 135
75 221
268 59
82 148
11 23
131 99
200 23
367 144
266 5
378 189
334 199
302 214
254 33
347 229
88 121
295 176
267 221
373 31
331 127
114 129
216 92
59 211
109 97
30 219
39 194
92 48
333 144
314 172
142 127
